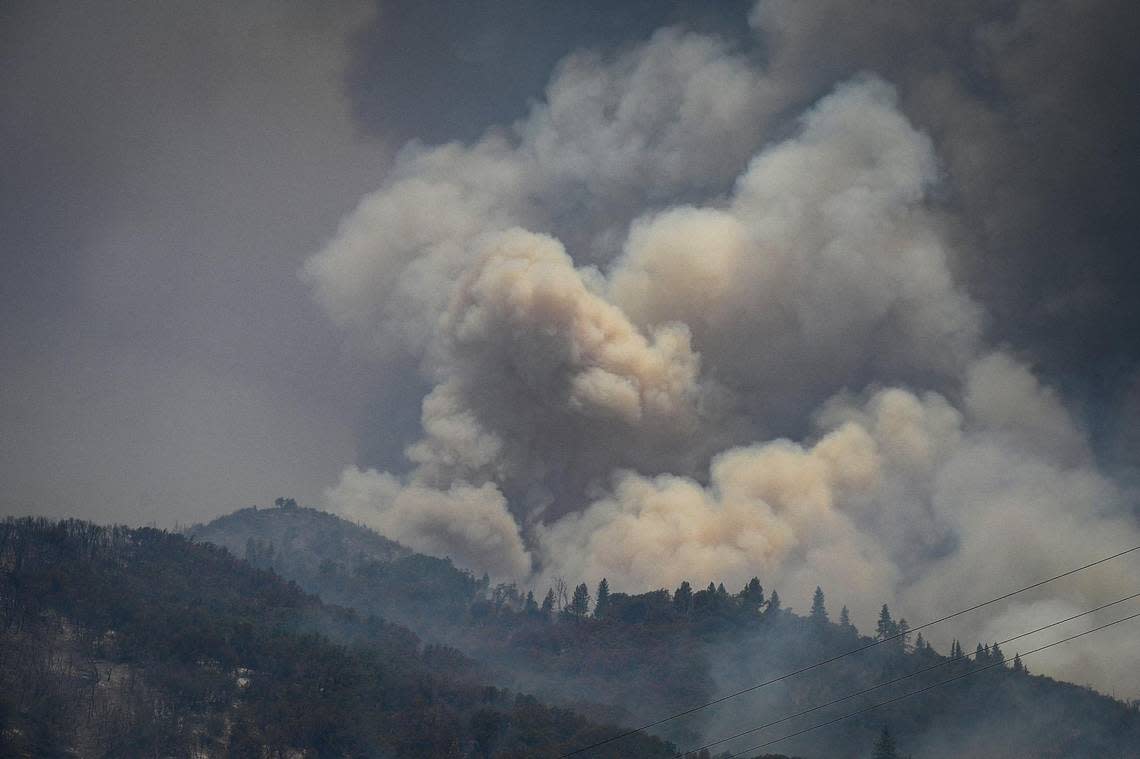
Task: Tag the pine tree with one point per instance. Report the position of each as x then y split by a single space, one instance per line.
602 602
774 604
753 592
886 628
844 618
903 633
683 597
920 643
530 606
885 747
1017 665
711 589
996 655
580 603
548 604
981 655
720 591
818 608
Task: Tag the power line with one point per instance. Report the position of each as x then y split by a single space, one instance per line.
924 690
943 663
871 645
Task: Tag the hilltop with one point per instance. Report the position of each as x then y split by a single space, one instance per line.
641 656
290 534
138 642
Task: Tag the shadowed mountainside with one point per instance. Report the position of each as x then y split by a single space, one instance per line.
138 642
640 657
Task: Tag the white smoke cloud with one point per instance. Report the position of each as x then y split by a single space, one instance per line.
676 113
824 268
387 272
623 299
611 138
526 310
903 499
769 509
469 524
1008 401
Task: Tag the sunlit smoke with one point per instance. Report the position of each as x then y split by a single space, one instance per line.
671 338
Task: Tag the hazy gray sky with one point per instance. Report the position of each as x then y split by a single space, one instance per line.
169 167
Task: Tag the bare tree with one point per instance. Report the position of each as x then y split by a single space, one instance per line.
561 594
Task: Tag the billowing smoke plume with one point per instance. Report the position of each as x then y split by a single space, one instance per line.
674 336
485 535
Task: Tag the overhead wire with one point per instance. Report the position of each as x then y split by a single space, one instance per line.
872 707
837 657
943 663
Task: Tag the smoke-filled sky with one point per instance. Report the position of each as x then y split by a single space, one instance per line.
828 292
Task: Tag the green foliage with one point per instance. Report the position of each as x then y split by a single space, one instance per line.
885 746
886 628
602 602
653 653
548 604
209 655
683 598
818 613
530 606
774 604
580 602
753 592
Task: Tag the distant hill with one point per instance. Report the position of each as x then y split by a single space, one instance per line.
136 642
651 654
290 533
347 564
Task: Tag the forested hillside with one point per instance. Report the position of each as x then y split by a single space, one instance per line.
636 658
297 539
136 642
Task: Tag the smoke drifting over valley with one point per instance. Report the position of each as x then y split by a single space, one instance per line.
704 314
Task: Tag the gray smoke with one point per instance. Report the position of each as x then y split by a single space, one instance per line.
674 332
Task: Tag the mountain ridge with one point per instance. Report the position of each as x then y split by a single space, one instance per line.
646 656
138 642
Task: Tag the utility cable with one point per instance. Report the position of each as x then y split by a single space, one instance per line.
939 684
944 662
837 657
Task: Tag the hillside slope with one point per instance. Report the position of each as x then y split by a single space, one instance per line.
291 534
653 654
137 642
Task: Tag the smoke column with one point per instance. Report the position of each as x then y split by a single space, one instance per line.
702 316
